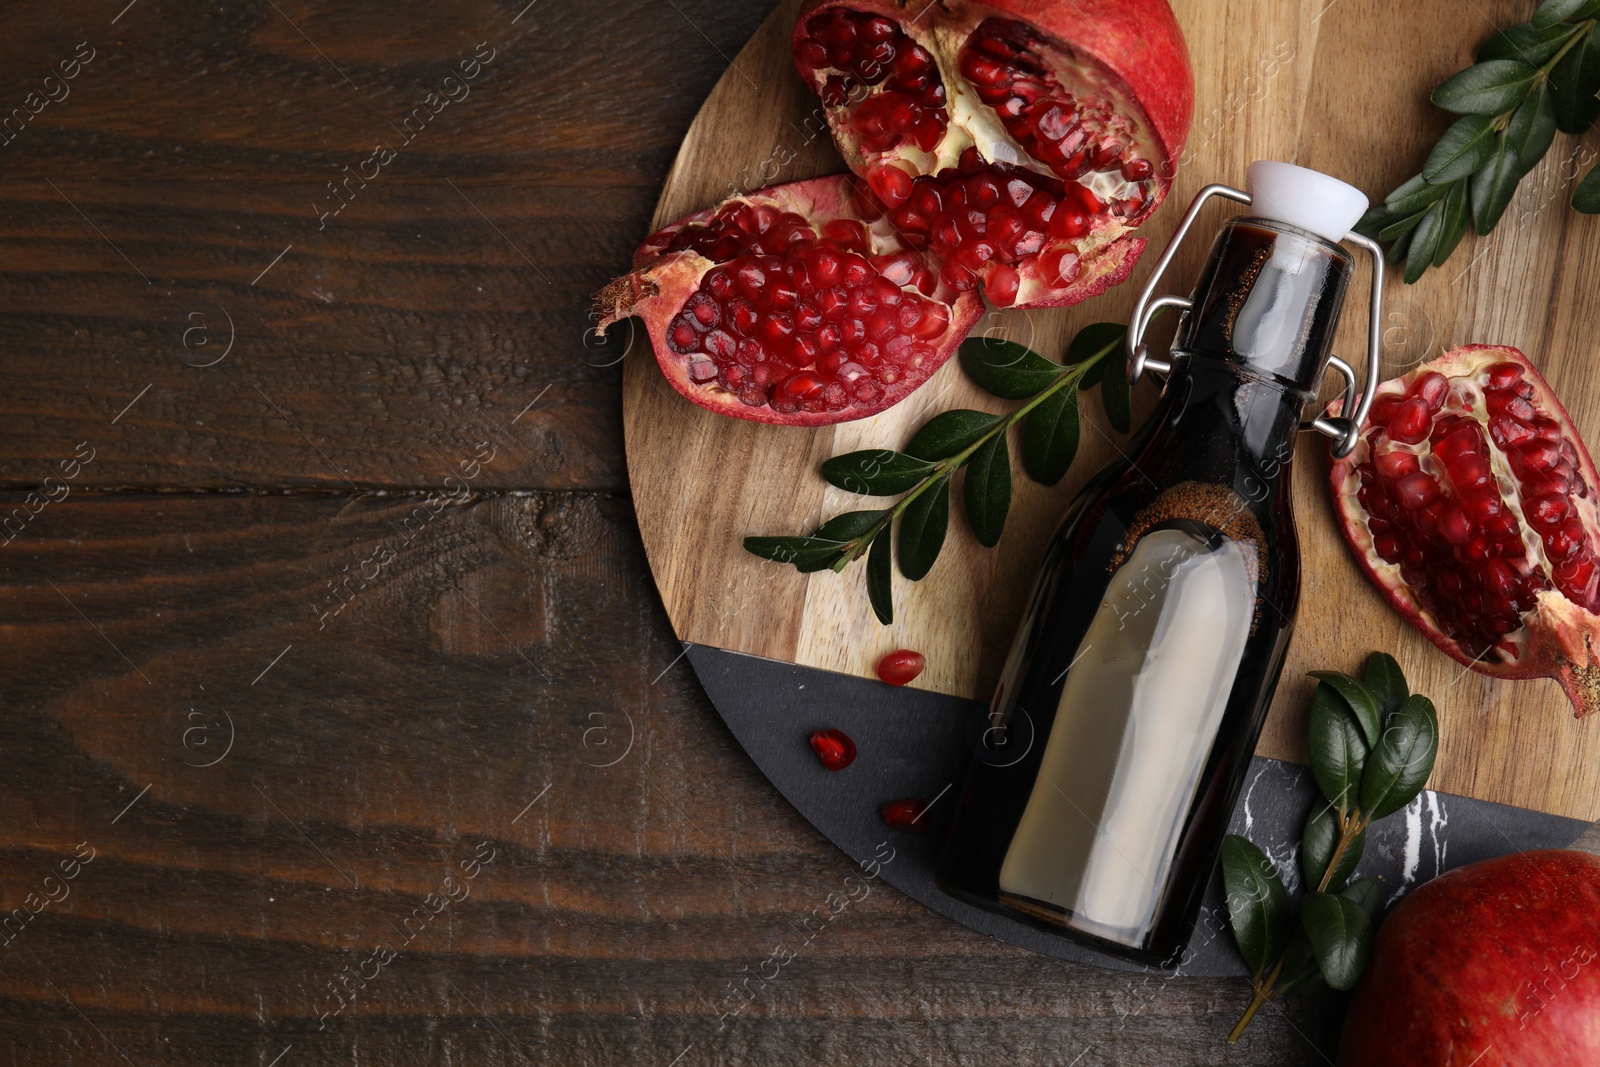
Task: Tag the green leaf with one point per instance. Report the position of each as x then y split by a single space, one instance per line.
1299 973
1114 397
1006 368
1494 185
1573 84
1425 242
1532 128
1362 704
1258 907
1050 437
950 432
1341 937
922 529
1104 340
1453 225
1398 250
1387 684
1413 195
1464 148
1492 87
1526 42
879 578
1338 751
875 472
1367 895
806 553
1552 12
987 492
1377 217
1317 842
1402 759
1586 197
848 526
1400 227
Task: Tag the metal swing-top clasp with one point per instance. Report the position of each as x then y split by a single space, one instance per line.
1311 201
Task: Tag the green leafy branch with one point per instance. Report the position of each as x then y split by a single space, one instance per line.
1529 81
962 439
1373 745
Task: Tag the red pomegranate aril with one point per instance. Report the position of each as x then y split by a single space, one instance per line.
1000 285
1059 268
1431 389
890 183
1411 422
834 749
1069 224
901 666
1396 465
905 814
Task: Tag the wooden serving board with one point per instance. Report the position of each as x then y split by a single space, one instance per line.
1340 87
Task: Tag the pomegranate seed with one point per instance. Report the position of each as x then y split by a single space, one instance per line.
682 336
1415 490
834 749
1503 375
901 666
1411 422
1455 527
1396 464
1058 269
1431 388
1069 223
905 814
935 319
1136 170
891 184
1000 285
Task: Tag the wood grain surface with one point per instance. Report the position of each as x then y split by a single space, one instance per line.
1339 87
260 551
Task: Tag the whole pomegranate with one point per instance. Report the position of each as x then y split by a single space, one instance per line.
1470 501
783 306
1493 964
1015 143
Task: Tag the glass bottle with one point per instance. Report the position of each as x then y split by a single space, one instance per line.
1139 679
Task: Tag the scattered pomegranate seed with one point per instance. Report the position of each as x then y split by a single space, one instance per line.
834 749
901 666
905 814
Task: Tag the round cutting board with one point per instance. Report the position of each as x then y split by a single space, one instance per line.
1303 82
1338 87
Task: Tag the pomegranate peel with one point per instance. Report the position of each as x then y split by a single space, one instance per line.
788 306
1471 502
1019 143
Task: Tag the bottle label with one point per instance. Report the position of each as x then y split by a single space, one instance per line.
1135 723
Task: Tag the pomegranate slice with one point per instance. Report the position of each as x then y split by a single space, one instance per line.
790 306
1018 143
1470 501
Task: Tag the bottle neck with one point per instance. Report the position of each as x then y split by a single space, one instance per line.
1223 426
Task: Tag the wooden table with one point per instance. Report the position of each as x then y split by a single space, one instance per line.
335 676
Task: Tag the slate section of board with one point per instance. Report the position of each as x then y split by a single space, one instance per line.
914 744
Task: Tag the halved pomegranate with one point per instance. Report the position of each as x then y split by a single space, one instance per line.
795 304
1470 501
1018 143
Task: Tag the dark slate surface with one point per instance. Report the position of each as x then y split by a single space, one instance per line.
914 744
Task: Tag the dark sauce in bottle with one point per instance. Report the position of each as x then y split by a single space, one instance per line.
1155 635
